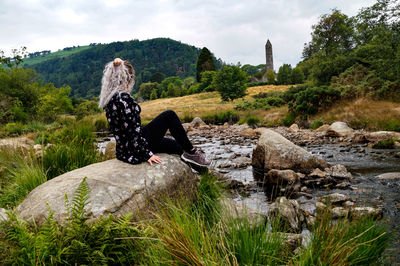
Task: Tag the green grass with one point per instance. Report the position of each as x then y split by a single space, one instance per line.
384 144
58 54
220 118
344 242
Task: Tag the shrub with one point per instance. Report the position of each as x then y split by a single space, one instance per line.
14 128
228 116
230 82
289 119
305 101
316 124
253 121
384 144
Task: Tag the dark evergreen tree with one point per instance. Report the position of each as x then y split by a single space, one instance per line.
205 62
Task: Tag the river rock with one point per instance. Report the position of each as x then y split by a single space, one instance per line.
197 122
116 188
237 210
389 176
3 215
294 128
334 199
317 173
339 212
286 180
339 129
287 213
322 128
273 151
382 135
359 212
292 241
248 132
339 171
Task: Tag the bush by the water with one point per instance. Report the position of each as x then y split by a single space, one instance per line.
384 144
304 101
228 116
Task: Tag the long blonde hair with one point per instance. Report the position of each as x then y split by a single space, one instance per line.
116 79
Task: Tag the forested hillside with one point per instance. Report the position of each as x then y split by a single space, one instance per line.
82 71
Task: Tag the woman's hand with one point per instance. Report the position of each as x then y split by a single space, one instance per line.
154 159
117 61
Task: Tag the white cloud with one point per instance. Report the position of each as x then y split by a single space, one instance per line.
233 30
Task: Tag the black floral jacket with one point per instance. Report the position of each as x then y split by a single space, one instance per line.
123 115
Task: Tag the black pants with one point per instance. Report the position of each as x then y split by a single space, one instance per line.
154 132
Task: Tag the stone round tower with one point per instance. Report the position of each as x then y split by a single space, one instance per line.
268 54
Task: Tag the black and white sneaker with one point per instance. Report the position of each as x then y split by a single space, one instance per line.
197 160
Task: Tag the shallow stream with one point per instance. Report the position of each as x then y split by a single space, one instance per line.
364 163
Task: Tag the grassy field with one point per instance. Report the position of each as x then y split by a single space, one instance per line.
365 113
207 103
361 113
42 58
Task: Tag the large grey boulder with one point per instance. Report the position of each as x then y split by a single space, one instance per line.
115 188
389 176
273 151
339 129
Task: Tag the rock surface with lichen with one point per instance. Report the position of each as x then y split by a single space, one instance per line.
115 188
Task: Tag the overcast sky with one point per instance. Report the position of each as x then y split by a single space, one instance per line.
234 30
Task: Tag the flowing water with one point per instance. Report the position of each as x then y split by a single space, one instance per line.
364 163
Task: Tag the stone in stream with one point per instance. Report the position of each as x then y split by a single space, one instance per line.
287 214
334 199
281 182
339 129
197 122
339 171
382 135
273 151
389 176
116 188
294 128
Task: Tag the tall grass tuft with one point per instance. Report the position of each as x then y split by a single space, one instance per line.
21 174
358 242
73 147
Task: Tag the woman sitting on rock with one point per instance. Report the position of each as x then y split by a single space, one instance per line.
134 143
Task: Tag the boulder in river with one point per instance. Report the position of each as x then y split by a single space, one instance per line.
273 151
382 135
116 188
389 176
339 129
197 122
287 213
294 128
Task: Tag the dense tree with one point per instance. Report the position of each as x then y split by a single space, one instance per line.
284 74
176 81
297 76
270 76
153 94
205 62
252 70
334 32
230 82
157 77
206 81
146 89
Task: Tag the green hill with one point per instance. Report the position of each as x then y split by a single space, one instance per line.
82 67
61 53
